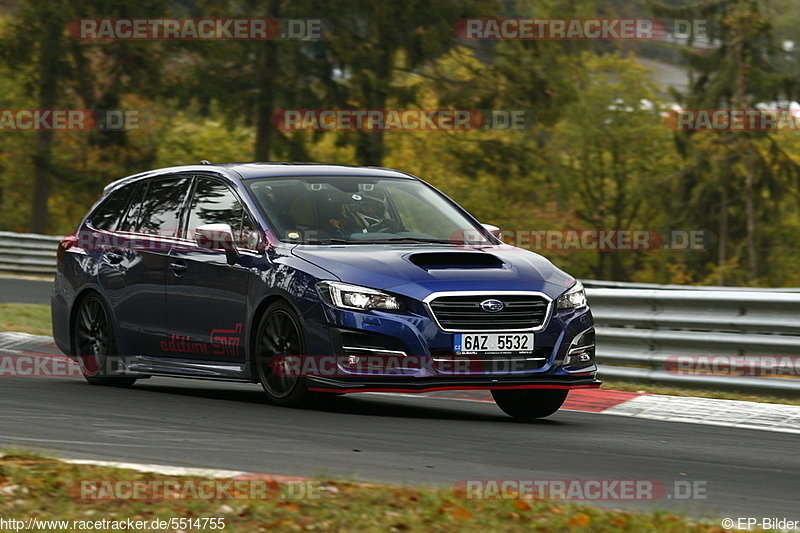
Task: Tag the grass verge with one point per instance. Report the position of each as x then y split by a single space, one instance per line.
27 318
33 486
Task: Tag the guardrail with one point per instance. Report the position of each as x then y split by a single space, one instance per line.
28 253
640 327
643 333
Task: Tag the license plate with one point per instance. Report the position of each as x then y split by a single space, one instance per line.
493 343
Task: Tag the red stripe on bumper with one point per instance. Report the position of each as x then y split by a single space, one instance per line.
455 387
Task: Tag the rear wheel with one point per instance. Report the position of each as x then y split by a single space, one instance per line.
279 335
529 404
94 342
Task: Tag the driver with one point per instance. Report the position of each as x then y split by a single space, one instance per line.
362 213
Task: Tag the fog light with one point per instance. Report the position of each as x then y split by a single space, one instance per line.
581 350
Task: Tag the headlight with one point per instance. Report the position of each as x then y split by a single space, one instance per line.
346 296
573 298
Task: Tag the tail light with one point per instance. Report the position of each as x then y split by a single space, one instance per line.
68 242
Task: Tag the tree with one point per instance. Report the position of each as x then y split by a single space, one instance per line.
62 72
611 154
375 42
741 173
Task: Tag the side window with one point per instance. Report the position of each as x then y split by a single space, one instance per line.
214 203
131 221
106 217
161 209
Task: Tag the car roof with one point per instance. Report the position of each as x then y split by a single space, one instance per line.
268 170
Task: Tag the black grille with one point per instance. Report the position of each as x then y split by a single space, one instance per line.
520 311
445 361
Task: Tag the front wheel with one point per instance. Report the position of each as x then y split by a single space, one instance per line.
280 335
529 404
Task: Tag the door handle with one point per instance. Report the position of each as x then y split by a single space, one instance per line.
178 267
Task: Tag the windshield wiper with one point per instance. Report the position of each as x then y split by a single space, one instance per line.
332 240
409 240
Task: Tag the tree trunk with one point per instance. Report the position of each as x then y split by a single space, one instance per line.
268 72
722 248
43 153
370 147
752 251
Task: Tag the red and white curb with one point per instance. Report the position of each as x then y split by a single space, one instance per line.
709 411
713 412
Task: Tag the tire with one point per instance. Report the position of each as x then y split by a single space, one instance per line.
280 332
530 404
93 338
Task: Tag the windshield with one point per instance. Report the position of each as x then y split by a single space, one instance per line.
360 210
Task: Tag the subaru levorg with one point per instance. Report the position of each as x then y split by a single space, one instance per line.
312 279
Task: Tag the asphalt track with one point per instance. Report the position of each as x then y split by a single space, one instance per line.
394 438
26 291
397 439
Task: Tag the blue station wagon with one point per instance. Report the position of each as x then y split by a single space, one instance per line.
315 279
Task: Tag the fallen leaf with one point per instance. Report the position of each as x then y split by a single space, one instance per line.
621 522
522 505
580 520
288 505
460 513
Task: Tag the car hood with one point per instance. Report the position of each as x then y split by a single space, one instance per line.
417 271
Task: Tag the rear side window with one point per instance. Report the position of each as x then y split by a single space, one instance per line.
107 216
156 207
131 221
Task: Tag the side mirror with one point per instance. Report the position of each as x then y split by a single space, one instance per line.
217 237
494 230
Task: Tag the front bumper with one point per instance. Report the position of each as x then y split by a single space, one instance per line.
432 384
414 335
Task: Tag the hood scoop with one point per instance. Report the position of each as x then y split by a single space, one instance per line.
442 260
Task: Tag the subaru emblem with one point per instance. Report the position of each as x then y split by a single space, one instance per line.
492 306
